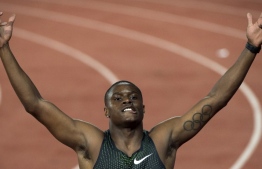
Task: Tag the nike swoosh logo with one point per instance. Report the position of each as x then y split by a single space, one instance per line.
140 161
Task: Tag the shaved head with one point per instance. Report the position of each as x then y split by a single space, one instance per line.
121 82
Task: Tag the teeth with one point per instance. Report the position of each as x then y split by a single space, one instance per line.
128 109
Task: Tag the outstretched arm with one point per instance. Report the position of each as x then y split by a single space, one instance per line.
193 121
183 128
67 130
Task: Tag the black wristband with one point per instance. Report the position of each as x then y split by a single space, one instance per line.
252 48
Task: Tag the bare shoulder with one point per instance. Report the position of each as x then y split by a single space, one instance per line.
165 127
163 132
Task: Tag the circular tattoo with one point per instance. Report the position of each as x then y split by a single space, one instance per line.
198 119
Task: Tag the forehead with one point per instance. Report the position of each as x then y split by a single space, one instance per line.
124 88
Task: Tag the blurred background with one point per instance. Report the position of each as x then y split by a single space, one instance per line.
173 50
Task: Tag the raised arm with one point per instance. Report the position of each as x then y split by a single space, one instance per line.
67 130
192 122
180 129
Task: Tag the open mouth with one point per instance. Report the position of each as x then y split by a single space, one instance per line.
129 109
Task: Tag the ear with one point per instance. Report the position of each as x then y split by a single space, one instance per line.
106 112
144 109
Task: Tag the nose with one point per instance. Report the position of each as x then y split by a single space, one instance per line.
127 101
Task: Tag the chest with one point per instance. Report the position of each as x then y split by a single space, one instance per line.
112 158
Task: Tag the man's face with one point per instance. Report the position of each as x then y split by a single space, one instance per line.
124 105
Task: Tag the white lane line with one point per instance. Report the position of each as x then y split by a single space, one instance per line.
67 50
156 15
124 9
207 6
257 128
160 43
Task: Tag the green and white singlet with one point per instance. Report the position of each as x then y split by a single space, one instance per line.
112 158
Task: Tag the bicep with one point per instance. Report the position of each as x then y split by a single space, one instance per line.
60 125
189 124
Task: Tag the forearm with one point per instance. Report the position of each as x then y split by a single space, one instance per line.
23 86
229 83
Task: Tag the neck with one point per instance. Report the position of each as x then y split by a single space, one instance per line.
128 140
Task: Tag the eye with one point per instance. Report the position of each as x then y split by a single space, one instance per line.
117 98
134 97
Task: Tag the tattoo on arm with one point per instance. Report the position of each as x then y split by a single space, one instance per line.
198 119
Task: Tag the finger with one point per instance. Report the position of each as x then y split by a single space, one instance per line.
259 21
1 13
12 18
249 19
2 24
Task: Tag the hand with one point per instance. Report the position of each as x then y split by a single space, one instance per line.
254 31
6 29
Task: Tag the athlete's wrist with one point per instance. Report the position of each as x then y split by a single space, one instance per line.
252 48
